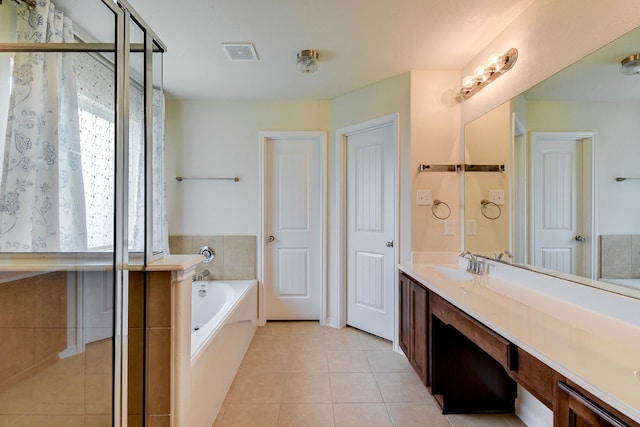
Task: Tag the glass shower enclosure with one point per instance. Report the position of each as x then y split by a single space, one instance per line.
81 129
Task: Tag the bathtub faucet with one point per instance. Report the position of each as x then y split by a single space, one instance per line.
203 274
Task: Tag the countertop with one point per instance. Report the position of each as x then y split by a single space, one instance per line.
592 339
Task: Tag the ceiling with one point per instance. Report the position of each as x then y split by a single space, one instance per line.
596 77
359 41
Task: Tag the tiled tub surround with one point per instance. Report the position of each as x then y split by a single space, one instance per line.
235 255
620 256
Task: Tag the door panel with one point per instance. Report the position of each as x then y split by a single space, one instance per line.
293 216
557 204
371 224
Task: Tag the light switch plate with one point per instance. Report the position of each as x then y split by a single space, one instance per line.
449 227
423 197
496 196
470 227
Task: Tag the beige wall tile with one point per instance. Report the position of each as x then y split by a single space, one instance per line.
239 257
181 244
159 371
159 421
635 255
159 299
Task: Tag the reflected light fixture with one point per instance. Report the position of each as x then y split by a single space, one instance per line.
482 76
630 65
307 61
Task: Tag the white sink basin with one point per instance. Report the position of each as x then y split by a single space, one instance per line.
453 273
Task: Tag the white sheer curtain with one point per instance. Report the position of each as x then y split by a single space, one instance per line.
42 205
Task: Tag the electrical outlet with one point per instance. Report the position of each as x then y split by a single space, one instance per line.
449 227
470 227
423 197
496 196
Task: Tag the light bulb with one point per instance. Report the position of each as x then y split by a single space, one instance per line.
495 62
467 82
481 74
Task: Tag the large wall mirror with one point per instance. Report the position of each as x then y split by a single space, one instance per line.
568 201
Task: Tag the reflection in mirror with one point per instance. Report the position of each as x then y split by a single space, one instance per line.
486 215
570 213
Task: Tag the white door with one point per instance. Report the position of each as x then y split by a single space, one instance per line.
98 305
371 171
559 231
293 227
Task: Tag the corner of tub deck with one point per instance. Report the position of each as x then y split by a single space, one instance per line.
175 263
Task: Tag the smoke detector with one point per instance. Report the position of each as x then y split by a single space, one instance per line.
240 52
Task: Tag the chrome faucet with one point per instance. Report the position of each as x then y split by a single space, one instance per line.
503 253
203 274
471 265
475 266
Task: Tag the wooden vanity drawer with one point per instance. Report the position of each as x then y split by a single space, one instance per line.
493 344
537 378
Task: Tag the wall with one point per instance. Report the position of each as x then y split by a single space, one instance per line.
435 139
549 36
220 138
617 154
390 96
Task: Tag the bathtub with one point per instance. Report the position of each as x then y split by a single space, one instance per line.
224 318
629 283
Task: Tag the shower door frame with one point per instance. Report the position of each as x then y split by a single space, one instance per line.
124 16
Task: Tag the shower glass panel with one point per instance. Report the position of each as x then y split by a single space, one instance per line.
73 211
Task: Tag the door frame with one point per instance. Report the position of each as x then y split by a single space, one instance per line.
263 139
589 192
338 286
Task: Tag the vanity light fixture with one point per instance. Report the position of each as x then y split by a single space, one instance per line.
307 61
498 65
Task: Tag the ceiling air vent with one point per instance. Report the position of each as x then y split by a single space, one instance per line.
240 51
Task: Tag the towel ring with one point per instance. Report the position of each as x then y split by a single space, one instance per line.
437 203
485 203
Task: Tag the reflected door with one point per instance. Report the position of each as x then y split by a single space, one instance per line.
558 220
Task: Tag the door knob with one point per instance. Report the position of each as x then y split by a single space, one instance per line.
579 238
271 238
389 244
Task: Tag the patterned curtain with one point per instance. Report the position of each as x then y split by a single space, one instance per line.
41 189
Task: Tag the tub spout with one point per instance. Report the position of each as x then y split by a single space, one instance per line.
203 274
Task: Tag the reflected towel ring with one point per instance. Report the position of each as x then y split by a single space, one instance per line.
485 203
437 203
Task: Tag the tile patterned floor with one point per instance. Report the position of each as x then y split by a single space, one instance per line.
303 375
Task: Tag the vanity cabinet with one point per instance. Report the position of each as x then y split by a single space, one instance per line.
414 324
469 368
576 410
